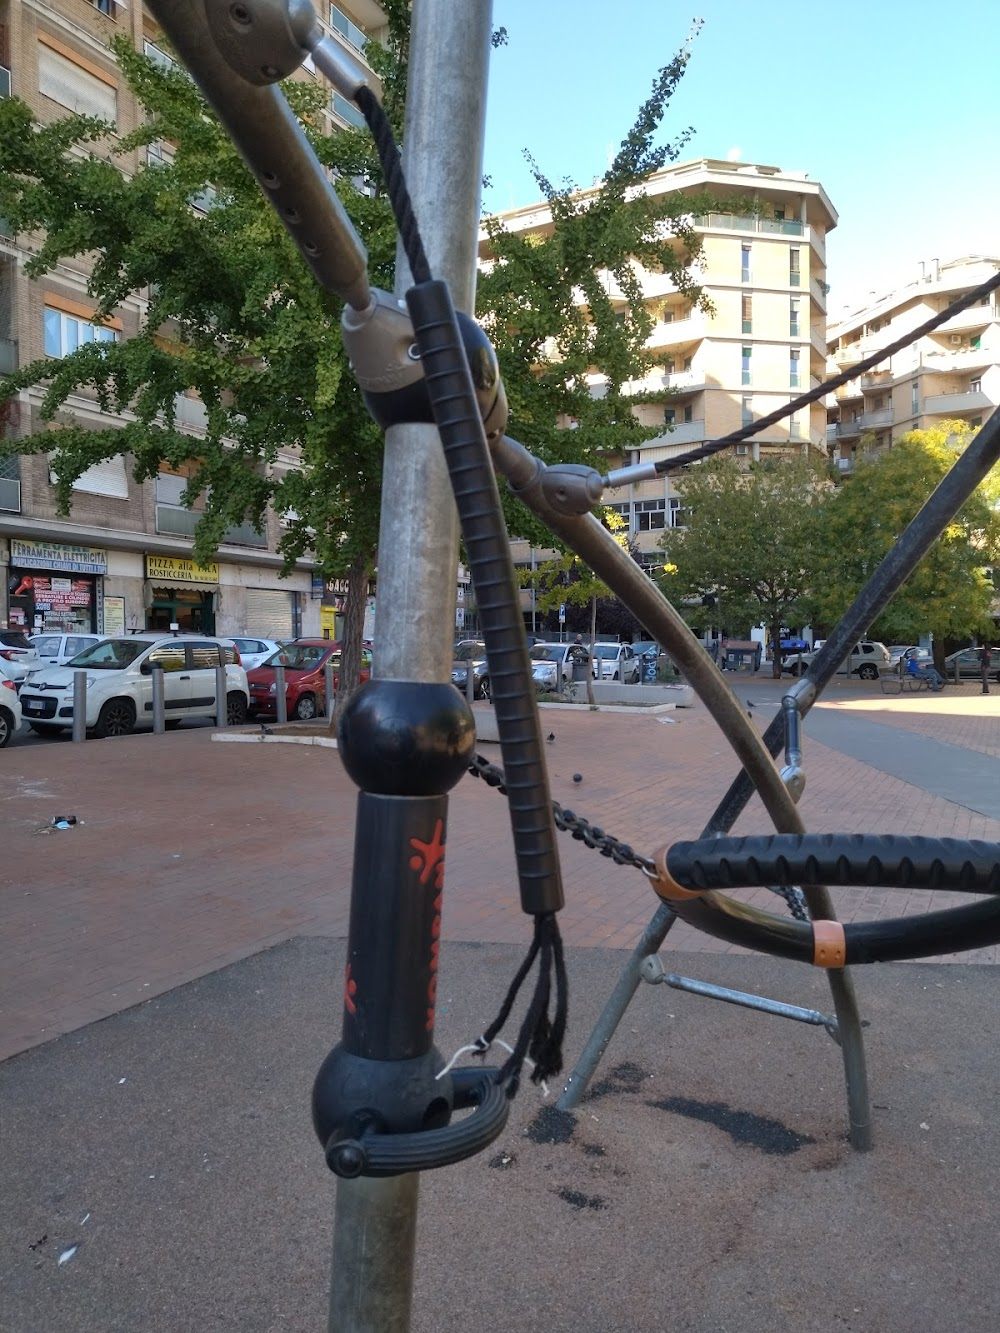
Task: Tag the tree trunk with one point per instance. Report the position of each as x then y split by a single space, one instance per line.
776 650
354 622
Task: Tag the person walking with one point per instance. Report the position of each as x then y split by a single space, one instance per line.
985 658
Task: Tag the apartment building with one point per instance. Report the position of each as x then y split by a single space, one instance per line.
765 272
951 374
122 559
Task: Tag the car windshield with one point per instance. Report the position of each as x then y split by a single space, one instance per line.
14 639
111 655
547 652
300 656
48 645
605 649
466 651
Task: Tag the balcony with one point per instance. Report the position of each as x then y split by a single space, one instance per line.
848 391
847 356
876 379
819 291
943 363
8 356
176 521
976 317
737 222
681 433
876 420
684 381
190 413
346 111
152 52
847 430
955 404
678 332
10 495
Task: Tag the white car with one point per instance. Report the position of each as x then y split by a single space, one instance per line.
254 652
120 688
867 659
10 711
616 661
552 663
18 655
57 649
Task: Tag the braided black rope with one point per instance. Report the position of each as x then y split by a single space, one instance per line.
395 183
835 381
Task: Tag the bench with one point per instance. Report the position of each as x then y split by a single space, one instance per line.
900 680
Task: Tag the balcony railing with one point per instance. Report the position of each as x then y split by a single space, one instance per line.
8 356
975 317
10 495
678 331
684 381
158 57
969 401
873 420
847 356
847 429
176 521
737 222
682 432
346 110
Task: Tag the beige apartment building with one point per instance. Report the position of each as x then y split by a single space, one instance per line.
765 273
950 374
122 559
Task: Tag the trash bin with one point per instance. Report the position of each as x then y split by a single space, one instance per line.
580 669
649 668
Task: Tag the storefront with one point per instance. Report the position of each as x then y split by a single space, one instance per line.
55 587
180 593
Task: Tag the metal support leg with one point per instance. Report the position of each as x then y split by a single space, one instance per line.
614 1011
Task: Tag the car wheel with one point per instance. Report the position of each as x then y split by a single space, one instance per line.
6 727
868 672
484 689
305 707
116 718
616 676
44 728
236 709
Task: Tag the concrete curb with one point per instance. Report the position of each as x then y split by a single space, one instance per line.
257 739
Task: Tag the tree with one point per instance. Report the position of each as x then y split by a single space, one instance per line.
948 595
748 553
235 318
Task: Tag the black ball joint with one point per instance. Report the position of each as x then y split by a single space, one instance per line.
406 738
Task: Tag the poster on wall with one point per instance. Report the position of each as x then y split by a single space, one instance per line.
114 616
59 594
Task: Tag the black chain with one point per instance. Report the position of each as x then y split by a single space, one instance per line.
619 852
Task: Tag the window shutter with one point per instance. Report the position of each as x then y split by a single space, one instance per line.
71 86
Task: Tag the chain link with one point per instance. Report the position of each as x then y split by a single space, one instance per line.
619 852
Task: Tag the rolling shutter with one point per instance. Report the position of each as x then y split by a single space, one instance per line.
269 613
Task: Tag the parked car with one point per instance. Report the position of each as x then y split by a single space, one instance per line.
120 688
903 652
471 653
616 661
969 664
304 661
552 663
18 654
10 711
867 659
57 649
253 652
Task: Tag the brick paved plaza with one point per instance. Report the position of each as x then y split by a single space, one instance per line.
191 854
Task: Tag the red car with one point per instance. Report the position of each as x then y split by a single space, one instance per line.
304 661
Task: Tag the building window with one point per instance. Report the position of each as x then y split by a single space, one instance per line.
689 413
745 378
677 514
650 515
669 365
793 368
65 333
794 306
976 385
669 415
794 271
688 362
795 429
747 313
914 398
747 414
745 263
75 87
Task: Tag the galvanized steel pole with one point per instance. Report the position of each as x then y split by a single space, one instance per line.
375 1223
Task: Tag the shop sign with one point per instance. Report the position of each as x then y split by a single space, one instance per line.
168 569
56 555
59 594
114 616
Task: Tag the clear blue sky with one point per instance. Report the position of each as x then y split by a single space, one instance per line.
893 106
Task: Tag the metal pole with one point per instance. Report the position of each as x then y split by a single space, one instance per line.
280 699
328 683
79 705
159 719
221 702
375 1226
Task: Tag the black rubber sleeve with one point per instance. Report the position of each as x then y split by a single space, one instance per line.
883 860
456 414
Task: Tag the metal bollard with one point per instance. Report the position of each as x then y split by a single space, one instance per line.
328 684
470 683
159 706
280 701
221 702
79 705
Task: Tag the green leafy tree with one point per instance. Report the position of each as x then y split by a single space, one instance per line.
948 595
748 553
235 318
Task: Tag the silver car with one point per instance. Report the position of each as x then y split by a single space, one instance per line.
552 663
